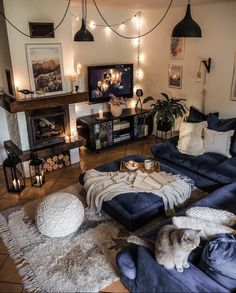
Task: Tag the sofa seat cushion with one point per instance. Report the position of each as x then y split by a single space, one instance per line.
218 260
152 277
210 165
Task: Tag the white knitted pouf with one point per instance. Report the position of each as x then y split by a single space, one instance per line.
59 215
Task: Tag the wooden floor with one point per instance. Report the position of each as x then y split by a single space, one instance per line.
10 280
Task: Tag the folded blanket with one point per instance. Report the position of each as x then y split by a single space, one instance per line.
104 186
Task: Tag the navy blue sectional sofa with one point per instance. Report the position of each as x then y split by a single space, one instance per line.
209 171
141 273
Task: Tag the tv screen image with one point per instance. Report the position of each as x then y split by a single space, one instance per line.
108 80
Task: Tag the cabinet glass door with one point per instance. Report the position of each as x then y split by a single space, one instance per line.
140 125
101 135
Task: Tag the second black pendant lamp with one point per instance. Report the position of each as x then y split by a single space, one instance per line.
187 27
83 35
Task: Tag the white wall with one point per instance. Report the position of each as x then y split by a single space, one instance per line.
218 23
107 47
21 12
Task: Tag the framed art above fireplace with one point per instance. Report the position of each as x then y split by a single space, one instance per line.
45 68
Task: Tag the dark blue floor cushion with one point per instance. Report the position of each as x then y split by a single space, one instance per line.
141 273
133 210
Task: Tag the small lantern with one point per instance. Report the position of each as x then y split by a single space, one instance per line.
13 172
36 172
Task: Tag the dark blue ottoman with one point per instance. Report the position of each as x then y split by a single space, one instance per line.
133 210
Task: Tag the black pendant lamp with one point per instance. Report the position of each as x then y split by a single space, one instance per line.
187 27
83 35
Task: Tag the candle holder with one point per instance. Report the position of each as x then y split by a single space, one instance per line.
36 172
13 173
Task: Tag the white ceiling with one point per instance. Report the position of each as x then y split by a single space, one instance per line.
142 4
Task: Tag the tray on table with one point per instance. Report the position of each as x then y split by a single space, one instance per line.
154 168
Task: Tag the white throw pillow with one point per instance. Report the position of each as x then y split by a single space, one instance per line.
59 215
218 142
191 138
208 228
213 215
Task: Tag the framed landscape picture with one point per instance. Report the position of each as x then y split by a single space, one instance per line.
45 68
175 76
233 86
177 48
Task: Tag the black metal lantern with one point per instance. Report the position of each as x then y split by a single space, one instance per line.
14 174
37 172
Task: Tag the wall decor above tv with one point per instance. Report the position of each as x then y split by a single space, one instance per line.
107 80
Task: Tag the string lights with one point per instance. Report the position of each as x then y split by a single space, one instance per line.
92 24
133 37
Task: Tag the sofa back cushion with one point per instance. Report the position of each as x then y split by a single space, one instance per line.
190 138
217 124
218 260
196 115
218 141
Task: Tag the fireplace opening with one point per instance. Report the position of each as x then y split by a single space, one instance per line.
47 126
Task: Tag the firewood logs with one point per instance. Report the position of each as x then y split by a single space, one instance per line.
57 162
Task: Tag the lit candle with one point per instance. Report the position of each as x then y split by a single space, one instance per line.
100 114
72 138
39 180
67 139
76 136
16 184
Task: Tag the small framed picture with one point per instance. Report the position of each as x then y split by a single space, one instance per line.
175 76
233 86
177 48
45 68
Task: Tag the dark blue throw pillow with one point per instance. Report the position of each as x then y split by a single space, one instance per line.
218 260
217 124
196 115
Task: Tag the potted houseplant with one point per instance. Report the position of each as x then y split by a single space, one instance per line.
166 111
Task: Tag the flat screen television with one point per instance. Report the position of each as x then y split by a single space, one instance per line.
107 80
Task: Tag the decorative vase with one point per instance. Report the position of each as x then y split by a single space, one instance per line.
115 110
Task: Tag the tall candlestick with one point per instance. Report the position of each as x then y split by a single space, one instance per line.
72 138
39 180
67 139
16 184
76 135
101 114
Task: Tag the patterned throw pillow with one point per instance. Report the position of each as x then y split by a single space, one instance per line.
191 138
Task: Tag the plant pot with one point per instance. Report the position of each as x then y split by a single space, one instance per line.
115 110
164 126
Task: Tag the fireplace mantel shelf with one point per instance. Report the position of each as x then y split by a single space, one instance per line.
14 105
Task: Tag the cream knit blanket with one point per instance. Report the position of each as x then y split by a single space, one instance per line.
103 186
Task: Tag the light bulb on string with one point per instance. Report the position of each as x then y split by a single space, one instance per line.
92 24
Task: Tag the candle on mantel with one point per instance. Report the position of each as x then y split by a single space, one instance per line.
76 135
72 138
67 139
16 184
100 114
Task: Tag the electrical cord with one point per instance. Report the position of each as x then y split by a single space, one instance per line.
115 24
23 33
133 37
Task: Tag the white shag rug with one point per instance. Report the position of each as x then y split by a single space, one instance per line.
81 262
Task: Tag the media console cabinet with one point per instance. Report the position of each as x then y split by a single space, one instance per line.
99 134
